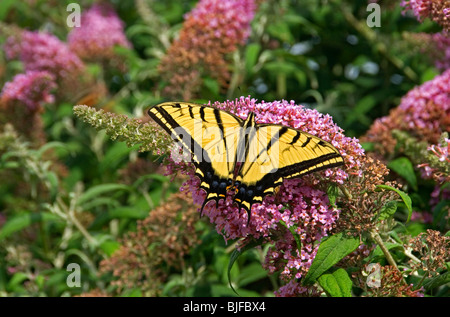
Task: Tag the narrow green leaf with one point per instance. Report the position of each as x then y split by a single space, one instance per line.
437 281
388 245
234 256
388 210
51 145
4 8
54 184
406 199
363 107
128 212
109 246
95 191
16 280
280 30
336 284
251 273
212 85
251 56
332 192
22 221
155 177
403 167
117 154
330 252
294 234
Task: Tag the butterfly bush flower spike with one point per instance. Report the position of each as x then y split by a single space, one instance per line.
424 112
213 29
30 90
100 31
39 51
44 52
436 10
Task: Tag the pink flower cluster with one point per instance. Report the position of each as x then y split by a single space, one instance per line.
436 91
418 114
100 31
437 10
222 19
424 112
31 90
420 8
44 52
213 29
309 212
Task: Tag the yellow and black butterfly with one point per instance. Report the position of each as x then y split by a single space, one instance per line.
230 153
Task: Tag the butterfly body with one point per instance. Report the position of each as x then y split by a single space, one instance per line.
241 156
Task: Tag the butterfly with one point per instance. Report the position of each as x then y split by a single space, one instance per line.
231 154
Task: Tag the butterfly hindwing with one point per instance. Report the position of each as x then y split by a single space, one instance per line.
280 153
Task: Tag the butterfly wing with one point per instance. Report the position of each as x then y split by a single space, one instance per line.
276 153
208 134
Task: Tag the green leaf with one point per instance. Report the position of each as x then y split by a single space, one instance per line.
234 256
109 246
294 234
280 30
437 281
330 252
117 154
359 112
368 146
336 284
406 199
51 145
281 67
155 177
388 245
4 8
332 192
251 56
24 220
388 210
98 190
212 85
251 273
53 183
16 280
440 212
128 212
403 167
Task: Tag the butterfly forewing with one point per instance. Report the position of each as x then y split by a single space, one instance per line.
209 135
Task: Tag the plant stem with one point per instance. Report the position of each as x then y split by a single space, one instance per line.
376 237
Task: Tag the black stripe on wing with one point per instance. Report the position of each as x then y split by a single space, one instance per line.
170 128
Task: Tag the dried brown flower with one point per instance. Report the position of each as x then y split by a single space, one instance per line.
362 203
161 242
392 284
433 250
